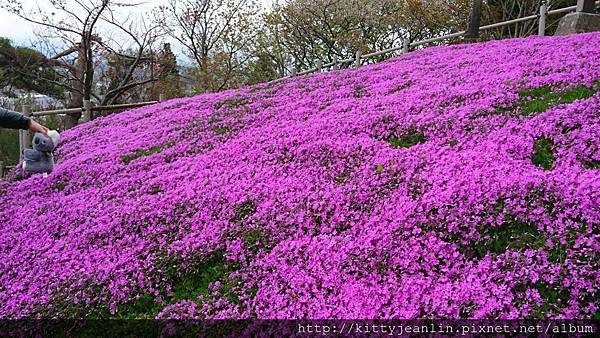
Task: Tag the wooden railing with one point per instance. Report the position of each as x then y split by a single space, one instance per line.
25 136
407 44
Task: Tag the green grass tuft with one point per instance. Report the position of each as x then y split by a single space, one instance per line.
407 140
543 155
538 100
60 186
512 234
190 284
141 153
243 211
194 283
593 164
577 93
222 130
535 92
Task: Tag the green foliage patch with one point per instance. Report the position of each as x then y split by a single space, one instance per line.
593 164
538 100
359 91
551 297
243 211
232 102
543 155
512 234
141 153
60 186
189 285
222 130
406 140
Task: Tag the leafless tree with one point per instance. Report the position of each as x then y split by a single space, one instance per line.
142 36
323 29
72 32
216 35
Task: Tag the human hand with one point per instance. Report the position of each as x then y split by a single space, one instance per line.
37 128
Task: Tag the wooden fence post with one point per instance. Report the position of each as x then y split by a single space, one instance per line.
336 66
585 6
24 135
87 110
319 65
542 20
405 45
357 59
21 144
28 135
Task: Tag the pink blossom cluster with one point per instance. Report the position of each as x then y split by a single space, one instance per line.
403 189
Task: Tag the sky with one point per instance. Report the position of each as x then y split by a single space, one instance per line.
21 32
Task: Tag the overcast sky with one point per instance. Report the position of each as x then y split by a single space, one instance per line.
21 32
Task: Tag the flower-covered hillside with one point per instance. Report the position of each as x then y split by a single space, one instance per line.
451 182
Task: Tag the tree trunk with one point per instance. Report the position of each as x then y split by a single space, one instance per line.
84 78
89 72
204 76
77 94
474 20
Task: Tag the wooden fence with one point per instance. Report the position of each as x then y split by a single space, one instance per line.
25 136
356 61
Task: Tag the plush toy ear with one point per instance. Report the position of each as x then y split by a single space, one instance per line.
54 136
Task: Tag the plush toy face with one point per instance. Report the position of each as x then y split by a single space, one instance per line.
42 143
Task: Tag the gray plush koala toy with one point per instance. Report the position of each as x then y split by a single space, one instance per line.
40 159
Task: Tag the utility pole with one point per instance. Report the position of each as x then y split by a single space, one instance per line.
474 20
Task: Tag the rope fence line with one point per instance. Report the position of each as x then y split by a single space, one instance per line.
541 16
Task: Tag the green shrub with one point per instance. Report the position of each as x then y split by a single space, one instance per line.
9 146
